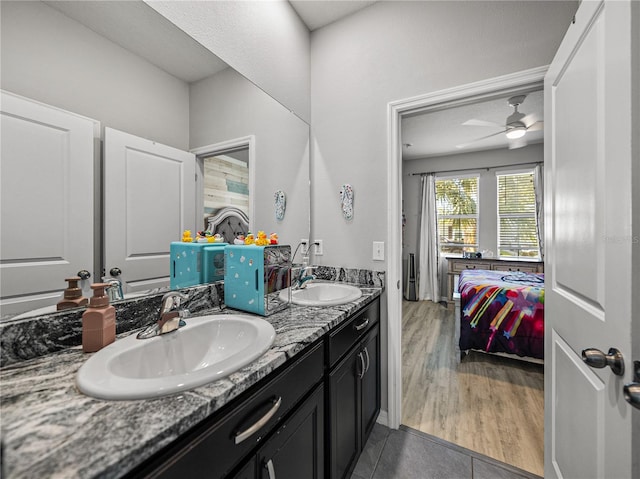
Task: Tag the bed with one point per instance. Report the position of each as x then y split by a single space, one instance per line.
500 312
230 222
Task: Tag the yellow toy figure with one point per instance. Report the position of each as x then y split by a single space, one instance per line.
249 239
262 239
273 239
186 236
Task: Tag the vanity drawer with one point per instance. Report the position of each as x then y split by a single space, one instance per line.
457 267
515 267
225 441
347 334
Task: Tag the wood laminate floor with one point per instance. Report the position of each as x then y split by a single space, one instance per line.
488 404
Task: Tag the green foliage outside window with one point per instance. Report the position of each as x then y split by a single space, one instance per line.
457 208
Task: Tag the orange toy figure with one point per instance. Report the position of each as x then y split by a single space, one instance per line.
186 236
249 239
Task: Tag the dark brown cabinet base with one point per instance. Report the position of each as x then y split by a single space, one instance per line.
308 420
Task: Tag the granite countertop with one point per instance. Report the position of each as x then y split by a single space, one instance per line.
50 429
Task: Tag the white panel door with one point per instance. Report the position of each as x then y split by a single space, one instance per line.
588 423
46 175
149 200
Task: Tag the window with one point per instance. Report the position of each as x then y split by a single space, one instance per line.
517 228
457 208
226 181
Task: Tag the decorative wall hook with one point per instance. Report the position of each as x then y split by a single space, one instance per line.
346 201
280 204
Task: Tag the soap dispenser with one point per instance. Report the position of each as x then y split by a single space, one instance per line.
72 297
98 321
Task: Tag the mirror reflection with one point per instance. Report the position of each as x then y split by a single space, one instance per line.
125 78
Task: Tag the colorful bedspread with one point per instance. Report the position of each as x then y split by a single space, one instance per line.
502 311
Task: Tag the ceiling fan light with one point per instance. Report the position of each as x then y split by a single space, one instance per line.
517 132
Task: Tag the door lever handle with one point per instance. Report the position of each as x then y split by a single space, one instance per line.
597 359
632 390
632 394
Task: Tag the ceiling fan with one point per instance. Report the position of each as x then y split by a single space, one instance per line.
515 128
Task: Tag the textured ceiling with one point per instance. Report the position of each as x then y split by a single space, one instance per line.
141 30
318 13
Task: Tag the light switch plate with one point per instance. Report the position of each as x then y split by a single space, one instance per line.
378 250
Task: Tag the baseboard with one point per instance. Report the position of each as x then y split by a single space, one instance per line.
383 418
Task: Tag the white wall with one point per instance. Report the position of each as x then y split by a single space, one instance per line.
488 224
391 51
395 50
264 41
48 57
227 106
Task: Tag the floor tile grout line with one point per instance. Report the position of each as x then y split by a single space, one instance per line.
384 444
468 452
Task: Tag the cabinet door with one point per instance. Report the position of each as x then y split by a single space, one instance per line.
296 450
248 471
46 201
149 200
370 383
344 385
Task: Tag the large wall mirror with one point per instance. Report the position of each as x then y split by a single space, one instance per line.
142 79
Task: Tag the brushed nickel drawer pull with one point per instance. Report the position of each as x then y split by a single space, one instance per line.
271 470
362 366
366 351
362 325
241 436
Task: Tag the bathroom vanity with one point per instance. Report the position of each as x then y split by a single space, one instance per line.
303 409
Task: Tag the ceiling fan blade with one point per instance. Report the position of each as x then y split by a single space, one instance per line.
463 145
519 143
538 125
474 122
529 119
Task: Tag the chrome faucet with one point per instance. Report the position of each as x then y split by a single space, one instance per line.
114 291
305 275
170 317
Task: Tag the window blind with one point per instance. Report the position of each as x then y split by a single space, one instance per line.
517 232
457 208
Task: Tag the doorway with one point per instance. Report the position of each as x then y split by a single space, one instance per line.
226 178
397 308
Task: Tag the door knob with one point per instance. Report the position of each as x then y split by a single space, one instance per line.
632 390
632 394
115 272
597 359
84 274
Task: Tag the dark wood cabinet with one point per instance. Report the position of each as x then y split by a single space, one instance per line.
308 420
344 411
370 385
296 450
354 394
216 447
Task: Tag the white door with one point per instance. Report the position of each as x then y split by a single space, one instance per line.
46 202
589 241
149 200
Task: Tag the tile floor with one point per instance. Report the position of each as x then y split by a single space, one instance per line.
408 454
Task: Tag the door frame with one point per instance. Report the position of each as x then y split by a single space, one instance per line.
249 142
439 100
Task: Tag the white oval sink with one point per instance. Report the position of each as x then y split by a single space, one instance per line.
323 294
206 349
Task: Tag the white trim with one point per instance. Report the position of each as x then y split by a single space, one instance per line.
473 92
242 142
383 418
